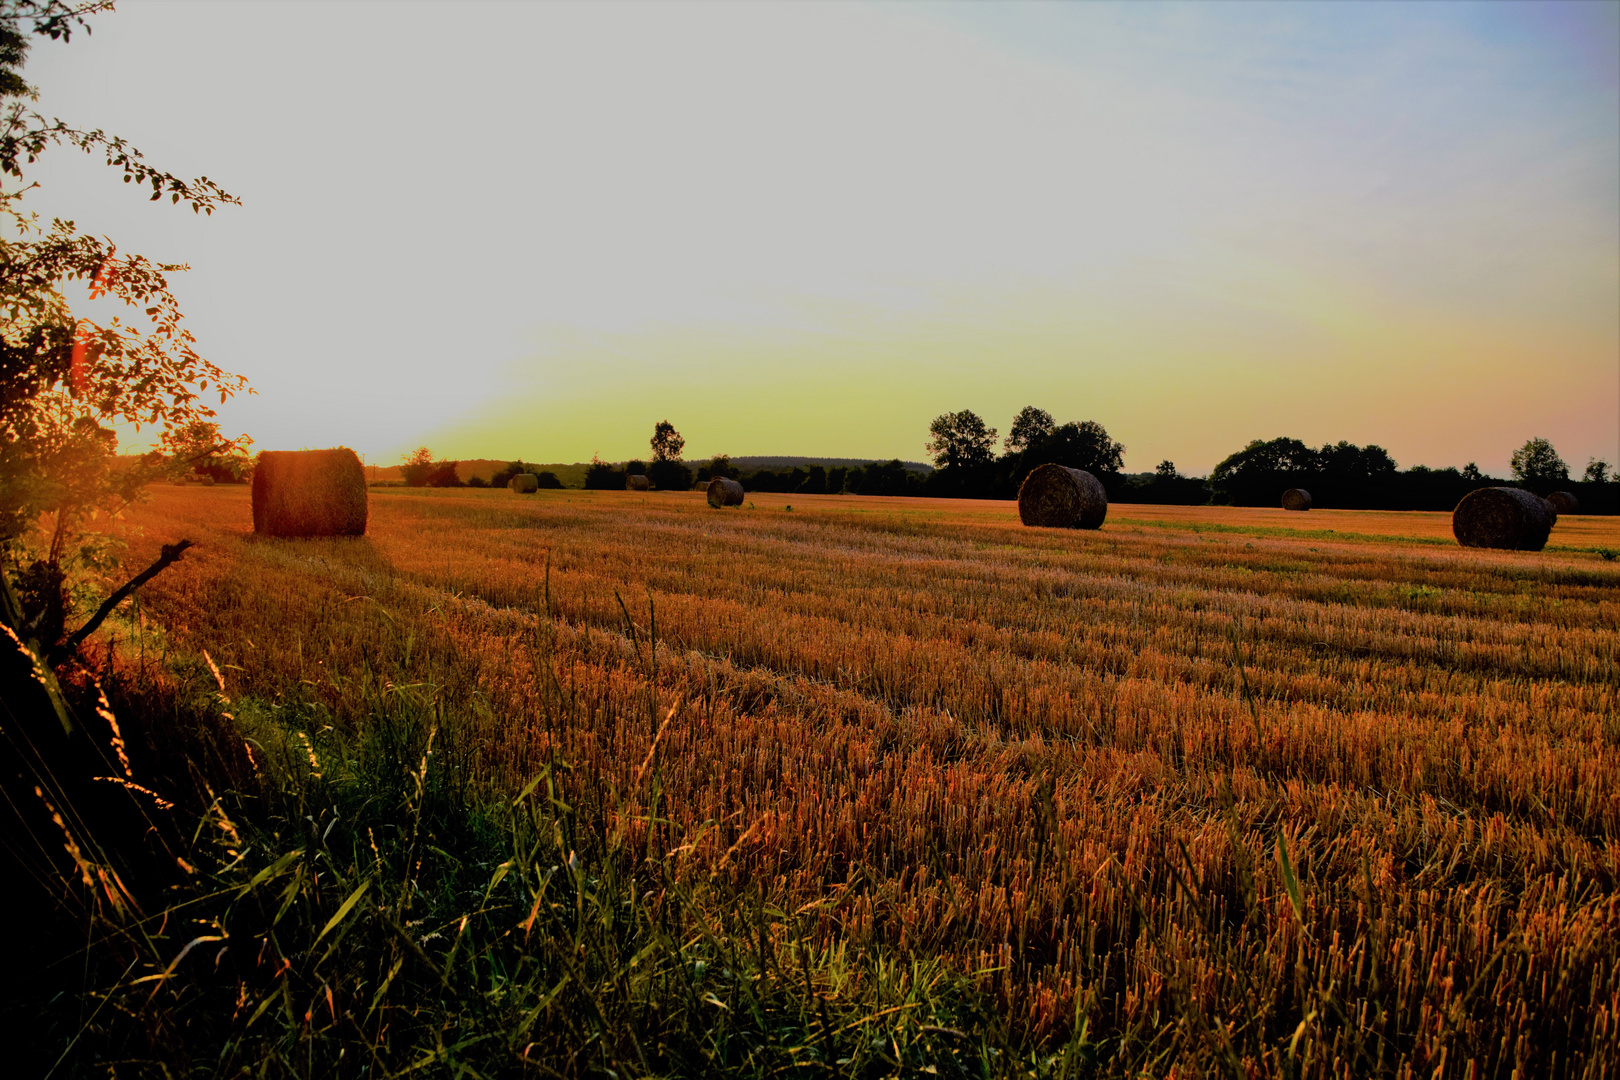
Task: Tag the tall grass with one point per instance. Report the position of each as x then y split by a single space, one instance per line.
361 904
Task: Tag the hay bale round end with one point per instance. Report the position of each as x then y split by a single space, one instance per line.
1055 496
1564 502
524 483
309 493
637 483
724 491
1296 499
1503 517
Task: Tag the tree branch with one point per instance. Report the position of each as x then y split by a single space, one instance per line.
64 649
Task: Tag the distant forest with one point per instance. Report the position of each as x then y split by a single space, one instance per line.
1338 475
967 465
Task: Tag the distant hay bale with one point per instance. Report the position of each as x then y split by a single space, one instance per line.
1503 517
724 491
1564 502
309 493
524 483
637 483
1296 499
1055 496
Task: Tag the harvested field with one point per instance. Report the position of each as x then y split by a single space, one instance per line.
1333 794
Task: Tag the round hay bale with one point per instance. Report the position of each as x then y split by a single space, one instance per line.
637 483
1058 497
1564 502
724 491
309 493
1296 499
524 483
1503 517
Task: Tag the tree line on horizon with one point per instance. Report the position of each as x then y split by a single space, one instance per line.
1339 475
967 464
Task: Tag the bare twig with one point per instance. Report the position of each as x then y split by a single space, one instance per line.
64 649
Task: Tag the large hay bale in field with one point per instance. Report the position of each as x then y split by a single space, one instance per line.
1564 502
1503 517
637 483
724 491
524 483
309 493
1056 496
1296 499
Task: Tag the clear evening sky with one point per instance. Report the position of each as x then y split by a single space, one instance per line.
534 230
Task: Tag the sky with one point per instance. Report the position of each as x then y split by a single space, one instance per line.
534 230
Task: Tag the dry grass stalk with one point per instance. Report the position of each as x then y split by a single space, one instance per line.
1503 517
724 491
1055 496
309 493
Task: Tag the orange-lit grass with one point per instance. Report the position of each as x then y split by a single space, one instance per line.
1064 757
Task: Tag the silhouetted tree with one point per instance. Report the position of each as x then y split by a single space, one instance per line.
669 475
417 466
1538 467
1339 475
443 474
881 478
1257 474
601 476
1030 425
1597 471
548 479
667 443
1281 455
1164 485
960 440
1347 461
504 474
1083 445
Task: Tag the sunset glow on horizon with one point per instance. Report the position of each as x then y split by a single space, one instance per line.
532 231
